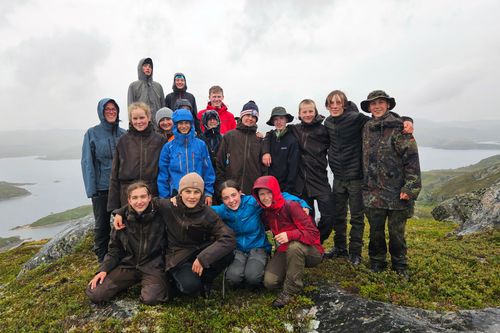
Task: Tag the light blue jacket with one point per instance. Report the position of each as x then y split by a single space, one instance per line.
99 145
184 154
246 223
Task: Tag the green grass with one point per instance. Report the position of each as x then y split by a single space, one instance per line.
8 241
447 274
67 215
9 190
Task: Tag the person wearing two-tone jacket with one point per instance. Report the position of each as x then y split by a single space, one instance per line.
99 145
179 91
145 89
183 155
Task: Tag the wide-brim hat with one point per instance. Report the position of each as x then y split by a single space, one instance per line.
279 111
376 94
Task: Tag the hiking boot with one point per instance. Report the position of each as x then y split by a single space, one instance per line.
355 259
336 253
378 267
283 299
403 272
206 289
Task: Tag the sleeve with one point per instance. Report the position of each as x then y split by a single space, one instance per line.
162 97
225 243
163 180
223 159
306 231
168 99
231 123
116 252
408 150
266 144
130 94
290 197
208 170
88 166
293 161
114 182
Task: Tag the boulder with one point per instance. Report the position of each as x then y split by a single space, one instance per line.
457 209
339 311
62 244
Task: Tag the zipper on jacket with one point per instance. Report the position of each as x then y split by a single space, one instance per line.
187 157
245 153
140 161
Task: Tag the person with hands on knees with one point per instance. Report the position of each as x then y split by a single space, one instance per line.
297 238
199 245
135 253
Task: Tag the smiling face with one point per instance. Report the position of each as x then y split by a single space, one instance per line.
139 199
184 126
212 123
216 98
166 124
307 112
279 122
248 120
265 197
139 119
379 107
231 197
180 82
336 106
190 197
110 112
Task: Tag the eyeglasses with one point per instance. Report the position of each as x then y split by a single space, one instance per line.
110 109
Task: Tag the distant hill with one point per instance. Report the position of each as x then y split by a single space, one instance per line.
439 185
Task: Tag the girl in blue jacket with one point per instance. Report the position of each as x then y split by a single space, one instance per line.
183 155
242 214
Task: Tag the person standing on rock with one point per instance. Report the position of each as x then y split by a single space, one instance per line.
391 181
99 145
135 253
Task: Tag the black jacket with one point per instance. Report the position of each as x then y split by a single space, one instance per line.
141 245
177 94
345 152
314 143
285 155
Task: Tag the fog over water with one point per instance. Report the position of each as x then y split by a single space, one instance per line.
58 186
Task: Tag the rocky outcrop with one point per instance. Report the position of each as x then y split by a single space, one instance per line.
476 211
338 311
62 244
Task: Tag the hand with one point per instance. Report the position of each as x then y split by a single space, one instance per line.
306 210
118 222
99 278
407 127
281 238
208 201
404 196
266 159
260 135
197 267
173 200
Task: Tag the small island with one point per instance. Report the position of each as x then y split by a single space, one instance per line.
70 214
12 190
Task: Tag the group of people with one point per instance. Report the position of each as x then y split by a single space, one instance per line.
193 193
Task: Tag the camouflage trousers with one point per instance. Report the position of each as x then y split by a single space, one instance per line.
347 194
377 249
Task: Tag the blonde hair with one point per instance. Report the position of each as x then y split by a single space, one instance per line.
310 102
215 89
139 105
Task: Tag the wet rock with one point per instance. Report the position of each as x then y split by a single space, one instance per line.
486 215
62 244
339 311
457 209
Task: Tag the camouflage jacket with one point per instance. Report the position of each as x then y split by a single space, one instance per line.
390 164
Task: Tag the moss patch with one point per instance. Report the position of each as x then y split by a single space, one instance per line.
65 216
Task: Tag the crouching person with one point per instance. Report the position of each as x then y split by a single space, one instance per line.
297 238
200 245
135 254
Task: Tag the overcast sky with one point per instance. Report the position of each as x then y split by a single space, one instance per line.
439 59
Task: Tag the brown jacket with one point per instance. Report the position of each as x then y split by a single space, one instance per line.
191 230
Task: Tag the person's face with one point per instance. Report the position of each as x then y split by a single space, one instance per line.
166 124
212 123
139 199
190 197
378 107
180 82
279 122
248 120
139 119
231 197
147 69
336 106
307 113
265 197
110 113
183 126
216 99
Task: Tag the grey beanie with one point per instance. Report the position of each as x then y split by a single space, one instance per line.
191 180
163 113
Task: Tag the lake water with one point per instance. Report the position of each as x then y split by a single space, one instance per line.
58 186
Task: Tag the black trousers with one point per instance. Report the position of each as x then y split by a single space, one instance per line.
188 282
102 227
325 224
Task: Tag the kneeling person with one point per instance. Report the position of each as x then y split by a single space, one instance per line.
135 254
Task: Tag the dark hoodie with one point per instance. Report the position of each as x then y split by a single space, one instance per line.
212 137
177 94
146 90
99 144
286 216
